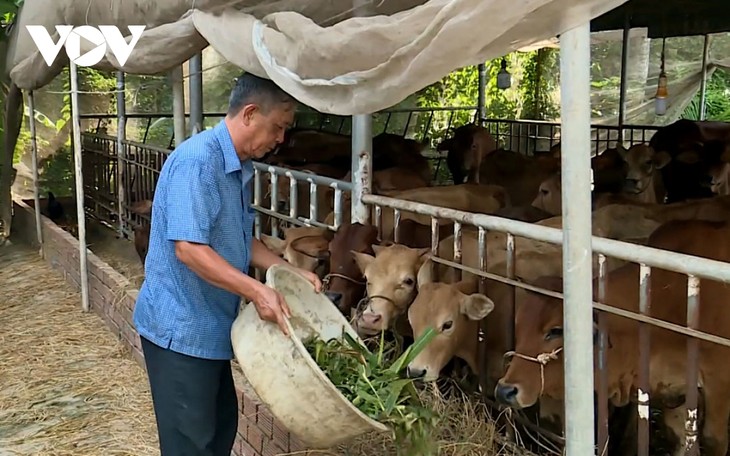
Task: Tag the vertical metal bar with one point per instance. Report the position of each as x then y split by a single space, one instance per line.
482 97
79 178
312 200
510 266
602 361
195 71
362 145
622 105
644 355
178 103
703 82
274 201
338 207
693 321
121 136
293 196
257 201
378 219
575 108
362 167
34 158
396 225
434 246
481 343
457 250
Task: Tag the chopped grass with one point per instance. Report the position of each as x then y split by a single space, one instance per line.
374 383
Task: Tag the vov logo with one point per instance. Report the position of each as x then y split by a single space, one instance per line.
70 38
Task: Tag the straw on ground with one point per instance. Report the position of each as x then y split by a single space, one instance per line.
67 385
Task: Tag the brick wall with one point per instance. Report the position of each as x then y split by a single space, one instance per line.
112 298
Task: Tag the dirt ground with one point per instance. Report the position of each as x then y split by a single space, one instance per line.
67 385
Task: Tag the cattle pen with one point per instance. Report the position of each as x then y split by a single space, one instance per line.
115 172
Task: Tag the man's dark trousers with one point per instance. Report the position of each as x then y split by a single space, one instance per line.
195 402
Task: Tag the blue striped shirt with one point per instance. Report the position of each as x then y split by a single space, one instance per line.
203 196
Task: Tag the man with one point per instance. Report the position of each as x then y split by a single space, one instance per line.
201 246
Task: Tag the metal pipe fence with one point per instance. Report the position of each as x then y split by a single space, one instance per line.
141 165
695 268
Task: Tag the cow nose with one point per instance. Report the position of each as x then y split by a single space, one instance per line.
412 372
506 394
371 318
333 296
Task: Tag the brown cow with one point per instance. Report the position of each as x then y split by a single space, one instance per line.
344 282
306 247
141 232
484 199
689 143
539 326
454 310
466 149
644 181
394 179
518 174
391 284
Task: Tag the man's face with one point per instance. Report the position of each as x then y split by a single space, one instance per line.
266 129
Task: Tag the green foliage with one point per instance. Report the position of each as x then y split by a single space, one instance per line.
717 99
373 383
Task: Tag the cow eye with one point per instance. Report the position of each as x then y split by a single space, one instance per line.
554 333
447 325
408 281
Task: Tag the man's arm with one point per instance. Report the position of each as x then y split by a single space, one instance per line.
210 266
262 257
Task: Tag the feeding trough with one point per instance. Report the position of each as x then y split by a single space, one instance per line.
283 374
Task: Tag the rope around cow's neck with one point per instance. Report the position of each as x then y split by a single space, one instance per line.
542 359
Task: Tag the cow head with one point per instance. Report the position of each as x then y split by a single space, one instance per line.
548 197
536 367
642 164
143 207
391 284
344 282
304 247
454 311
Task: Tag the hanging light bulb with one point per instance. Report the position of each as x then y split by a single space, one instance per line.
504 79
660 99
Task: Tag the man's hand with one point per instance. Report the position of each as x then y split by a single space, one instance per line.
312 278
271 306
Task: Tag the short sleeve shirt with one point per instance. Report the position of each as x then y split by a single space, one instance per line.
203 196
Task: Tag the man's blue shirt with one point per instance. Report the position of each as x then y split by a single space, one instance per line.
202 196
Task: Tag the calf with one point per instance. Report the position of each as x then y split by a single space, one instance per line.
344 283
643 179
390 278
465 151
305 247
539 336
454 311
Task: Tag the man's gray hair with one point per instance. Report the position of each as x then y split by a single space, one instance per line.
251 89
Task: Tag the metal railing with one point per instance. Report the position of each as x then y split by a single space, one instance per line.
141 165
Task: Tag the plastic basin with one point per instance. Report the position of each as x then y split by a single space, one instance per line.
283 374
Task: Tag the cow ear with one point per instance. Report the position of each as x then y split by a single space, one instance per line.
662 159
622 151
377 248
274 244
476 306
425 274
362 260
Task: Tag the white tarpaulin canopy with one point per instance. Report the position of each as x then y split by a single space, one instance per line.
314 49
